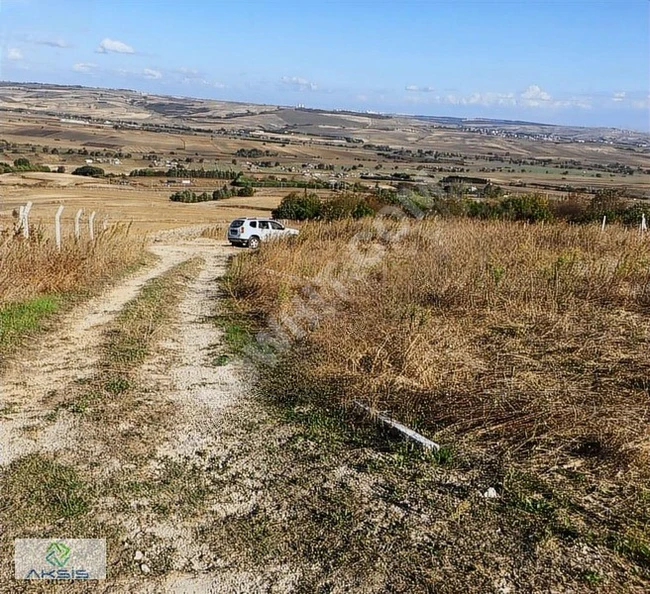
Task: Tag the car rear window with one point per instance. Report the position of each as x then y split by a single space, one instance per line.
237 223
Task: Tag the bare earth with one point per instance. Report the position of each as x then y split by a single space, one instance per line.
211 413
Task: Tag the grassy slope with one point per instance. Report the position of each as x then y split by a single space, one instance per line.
523 349
37 281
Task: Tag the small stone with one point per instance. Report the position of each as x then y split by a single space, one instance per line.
145 568
139 555
491 493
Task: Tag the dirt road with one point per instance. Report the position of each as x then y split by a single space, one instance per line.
211 414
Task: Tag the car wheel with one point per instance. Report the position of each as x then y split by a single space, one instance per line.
254 242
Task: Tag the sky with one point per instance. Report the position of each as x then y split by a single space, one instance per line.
573 62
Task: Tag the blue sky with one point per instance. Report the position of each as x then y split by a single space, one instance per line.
582 62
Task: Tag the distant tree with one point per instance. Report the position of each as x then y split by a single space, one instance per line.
89 170
298 207
246 191
22 162
60 169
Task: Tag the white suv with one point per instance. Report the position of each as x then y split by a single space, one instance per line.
251 231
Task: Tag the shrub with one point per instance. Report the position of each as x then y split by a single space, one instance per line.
609 202
89 170
346 206
527 207
299 207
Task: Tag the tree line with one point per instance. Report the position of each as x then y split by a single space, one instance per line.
182 172
188 196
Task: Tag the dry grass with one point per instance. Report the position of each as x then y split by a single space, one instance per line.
215 232
33 267
525 348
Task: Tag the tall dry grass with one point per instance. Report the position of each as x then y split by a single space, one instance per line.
532 341
33 267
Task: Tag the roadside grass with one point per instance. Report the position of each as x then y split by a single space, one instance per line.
38 282
21 319
521 348
236 326
38 491
71 492
215 232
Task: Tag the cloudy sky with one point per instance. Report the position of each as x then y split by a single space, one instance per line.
583 62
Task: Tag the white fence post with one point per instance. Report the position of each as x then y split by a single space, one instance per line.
105 223
77 229
91 225
644 225
19 224
604 223
25 223
57 227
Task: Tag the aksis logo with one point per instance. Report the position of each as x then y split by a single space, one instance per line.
57 557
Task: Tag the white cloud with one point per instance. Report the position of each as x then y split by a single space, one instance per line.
534 96
298 83
14 53
107 45
416 89
84 67
189 72
618 97
531 97
151 74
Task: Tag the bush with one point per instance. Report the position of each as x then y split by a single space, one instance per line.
527 207
246 191
299 207
632 215
573 209
346 206
89 170
609 202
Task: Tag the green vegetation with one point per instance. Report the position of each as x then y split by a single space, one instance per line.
22 165
185 173
219 194
273 182
615 204
301 207
38 491
18 320
89 170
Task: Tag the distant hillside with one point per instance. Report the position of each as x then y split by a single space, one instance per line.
138 108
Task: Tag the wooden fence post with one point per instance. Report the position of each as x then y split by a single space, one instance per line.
91 225
57 227
77 229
